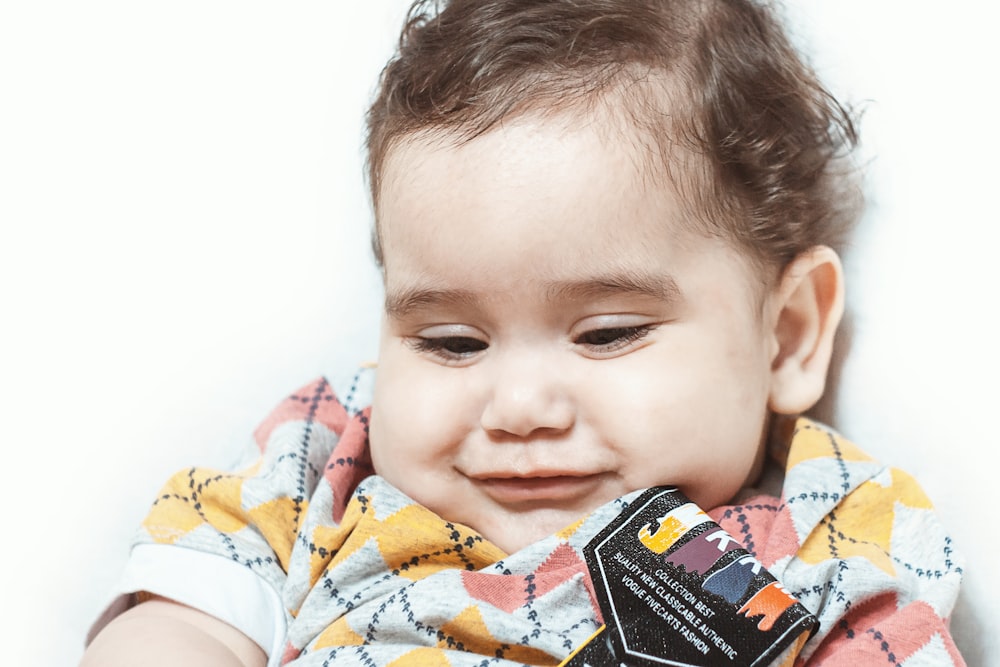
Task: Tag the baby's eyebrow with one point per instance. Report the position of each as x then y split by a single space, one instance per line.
401 303
659 287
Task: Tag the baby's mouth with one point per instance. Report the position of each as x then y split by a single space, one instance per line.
558 488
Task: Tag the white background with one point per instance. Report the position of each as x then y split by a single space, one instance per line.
183 241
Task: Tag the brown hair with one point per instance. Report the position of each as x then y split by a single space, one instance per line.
717 77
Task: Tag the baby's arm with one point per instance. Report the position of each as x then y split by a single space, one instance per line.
160 633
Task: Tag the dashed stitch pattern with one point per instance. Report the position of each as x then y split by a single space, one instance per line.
369 577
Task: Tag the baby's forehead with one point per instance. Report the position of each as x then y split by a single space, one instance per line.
650 184
640 124
547 183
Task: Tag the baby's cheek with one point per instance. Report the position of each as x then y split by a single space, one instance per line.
402 437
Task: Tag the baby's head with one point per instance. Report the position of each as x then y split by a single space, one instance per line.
605 230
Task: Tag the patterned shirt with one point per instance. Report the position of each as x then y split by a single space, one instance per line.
320 561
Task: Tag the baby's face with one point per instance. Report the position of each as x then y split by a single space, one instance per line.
553 338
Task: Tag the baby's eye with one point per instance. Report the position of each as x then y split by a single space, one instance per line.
449 347
612 339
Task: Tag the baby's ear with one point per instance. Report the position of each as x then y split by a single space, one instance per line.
810 303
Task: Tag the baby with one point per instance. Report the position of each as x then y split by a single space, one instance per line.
607 231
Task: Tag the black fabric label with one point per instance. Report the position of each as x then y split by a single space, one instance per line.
676 589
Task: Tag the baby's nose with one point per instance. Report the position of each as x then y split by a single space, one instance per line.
527 398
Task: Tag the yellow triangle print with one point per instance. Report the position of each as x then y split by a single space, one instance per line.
193 498
862 524
425 657
417 543
568 531
338 633
468 632
812 442
334 544
278 521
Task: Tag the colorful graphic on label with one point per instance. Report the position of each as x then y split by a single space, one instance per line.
671 526
671 586
732 581
771 601
703 551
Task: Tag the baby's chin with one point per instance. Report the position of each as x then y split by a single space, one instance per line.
515 531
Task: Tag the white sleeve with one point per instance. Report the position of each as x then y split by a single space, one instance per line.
208 582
